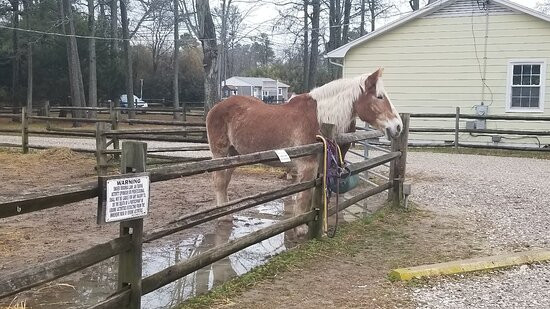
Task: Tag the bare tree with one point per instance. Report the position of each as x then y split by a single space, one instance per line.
362 12
415 4
376 9
26 5
113 25
128 59
543 6
75 74
92 74
305 70
314 54
176 62
16 56
207 36
158 32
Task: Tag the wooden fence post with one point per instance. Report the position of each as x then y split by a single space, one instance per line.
24 130
398 166
114 115
134 155
457 126
100 147
316 227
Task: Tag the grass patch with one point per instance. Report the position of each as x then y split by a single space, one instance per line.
545 155
349 241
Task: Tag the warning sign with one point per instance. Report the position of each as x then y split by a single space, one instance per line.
123 197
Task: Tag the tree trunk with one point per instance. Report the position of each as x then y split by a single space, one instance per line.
176 63
362 24
29 78
372 9
128 60
415 4
92 86
314 54
77 88
15 62
26 6
335 32
334 24
345 28
114 9
306 46
207 36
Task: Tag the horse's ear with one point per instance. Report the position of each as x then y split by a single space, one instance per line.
380 71
373 78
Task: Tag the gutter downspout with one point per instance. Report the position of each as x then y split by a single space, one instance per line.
335 63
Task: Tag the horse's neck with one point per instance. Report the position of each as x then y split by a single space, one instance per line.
335 102
336 112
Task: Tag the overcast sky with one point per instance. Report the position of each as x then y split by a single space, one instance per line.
263 17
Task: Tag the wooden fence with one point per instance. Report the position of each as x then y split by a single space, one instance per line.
457 116
108 128
129 243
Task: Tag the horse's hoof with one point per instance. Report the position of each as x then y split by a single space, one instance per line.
301 231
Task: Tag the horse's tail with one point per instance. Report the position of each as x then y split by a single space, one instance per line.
216 130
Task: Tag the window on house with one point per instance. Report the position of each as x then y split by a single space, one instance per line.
526 91
280 91
265 93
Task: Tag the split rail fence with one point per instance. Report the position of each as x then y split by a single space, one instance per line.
128 246
457 130
108 134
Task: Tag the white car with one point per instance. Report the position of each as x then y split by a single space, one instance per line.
137 102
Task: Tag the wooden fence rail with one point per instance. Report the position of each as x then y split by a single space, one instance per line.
129 244
456 130
30 277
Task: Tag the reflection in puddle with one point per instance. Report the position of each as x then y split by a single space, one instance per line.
275 208
99 281
95 283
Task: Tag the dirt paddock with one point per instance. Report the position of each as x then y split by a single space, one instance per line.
51 233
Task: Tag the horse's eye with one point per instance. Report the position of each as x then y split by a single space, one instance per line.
380 97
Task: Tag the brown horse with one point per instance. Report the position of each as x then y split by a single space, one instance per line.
242 125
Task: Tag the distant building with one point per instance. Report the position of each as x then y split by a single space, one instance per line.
265 89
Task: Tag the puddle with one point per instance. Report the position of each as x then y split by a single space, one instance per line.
95 283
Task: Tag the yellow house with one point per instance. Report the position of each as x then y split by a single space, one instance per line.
484 56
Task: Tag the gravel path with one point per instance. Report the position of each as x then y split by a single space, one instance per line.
505 203
520 287
88 143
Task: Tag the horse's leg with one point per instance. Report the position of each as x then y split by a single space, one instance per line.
307 170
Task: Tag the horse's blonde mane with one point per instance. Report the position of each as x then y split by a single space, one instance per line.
335 100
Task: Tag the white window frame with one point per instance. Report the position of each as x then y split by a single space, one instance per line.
511 64
265 93
280 91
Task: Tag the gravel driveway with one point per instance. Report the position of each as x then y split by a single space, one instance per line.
506 204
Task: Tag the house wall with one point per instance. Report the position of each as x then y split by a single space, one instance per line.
434 64
244 90
285 93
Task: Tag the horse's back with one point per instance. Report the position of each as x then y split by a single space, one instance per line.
249 125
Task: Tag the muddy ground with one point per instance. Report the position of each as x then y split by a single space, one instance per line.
357 276
51 233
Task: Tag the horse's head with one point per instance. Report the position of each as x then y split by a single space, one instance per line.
374 106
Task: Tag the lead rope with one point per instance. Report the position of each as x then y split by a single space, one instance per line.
326 159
